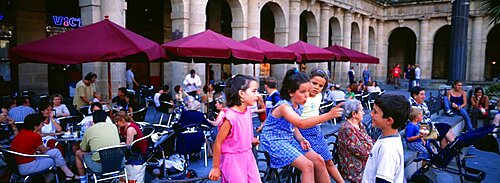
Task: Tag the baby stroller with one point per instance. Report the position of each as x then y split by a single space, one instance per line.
438 163
176 144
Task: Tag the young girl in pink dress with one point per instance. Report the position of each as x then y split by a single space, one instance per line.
233 155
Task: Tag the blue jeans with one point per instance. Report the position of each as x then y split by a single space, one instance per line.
462 112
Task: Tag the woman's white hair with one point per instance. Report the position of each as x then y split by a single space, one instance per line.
350 106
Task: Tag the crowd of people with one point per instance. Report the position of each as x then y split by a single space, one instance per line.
287 123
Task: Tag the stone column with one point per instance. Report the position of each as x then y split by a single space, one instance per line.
197 19
92 12
253 18
324 24
344 66
293 35
476 62
364 43
381 71
424 60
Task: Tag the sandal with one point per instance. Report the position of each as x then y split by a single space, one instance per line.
73 178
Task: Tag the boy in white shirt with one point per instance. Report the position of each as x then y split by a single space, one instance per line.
386 160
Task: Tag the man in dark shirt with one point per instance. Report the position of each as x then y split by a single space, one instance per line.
119 99
8 130
165 97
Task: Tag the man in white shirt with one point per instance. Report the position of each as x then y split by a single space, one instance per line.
192 83
335 94
418 71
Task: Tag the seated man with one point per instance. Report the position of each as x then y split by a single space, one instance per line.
22 110
165 97
119 99
88 121
98 136
8 130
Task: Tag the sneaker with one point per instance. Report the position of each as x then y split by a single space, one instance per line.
450 113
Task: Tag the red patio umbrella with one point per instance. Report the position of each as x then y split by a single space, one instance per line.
311 53
98 42
346 54
273 53
209 46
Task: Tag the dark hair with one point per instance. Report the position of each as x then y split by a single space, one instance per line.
90 76
233 86
353 87
319 73
129 66
131 97
206 87
177 88
21 100
394 106
415 90
271 82
95 104
165 88
291 83
44 105
123 90
192 71
32 120
376 84
99 116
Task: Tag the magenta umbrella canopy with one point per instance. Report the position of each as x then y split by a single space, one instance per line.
212 47
311 53
101 41
272 52
346 54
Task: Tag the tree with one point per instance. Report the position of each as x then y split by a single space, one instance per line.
492 9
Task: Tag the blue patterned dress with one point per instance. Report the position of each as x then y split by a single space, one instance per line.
278 140
314 134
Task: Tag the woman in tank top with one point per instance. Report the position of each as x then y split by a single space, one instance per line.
456 102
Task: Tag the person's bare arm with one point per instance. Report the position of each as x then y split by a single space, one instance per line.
224 130
130 135
291 116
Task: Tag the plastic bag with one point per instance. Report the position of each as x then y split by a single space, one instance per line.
135 173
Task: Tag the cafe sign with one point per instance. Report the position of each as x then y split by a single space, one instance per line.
67 21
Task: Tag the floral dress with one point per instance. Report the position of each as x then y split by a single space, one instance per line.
354 148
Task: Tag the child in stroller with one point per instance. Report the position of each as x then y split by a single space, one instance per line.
442 158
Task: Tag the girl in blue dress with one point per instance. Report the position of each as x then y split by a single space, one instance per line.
314 134
284 144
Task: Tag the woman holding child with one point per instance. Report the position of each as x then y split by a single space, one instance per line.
445 136
354 143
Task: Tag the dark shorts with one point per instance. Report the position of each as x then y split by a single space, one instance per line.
442 129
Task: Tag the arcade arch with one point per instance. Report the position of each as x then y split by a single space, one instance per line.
402 48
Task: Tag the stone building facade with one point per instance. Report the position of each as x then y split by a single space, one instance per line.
405 33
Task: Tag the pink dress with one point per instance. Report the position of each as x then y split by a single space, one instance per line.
237 161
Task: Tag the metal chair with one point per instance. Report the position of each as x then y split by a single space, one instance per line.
112 162
9 158
371 99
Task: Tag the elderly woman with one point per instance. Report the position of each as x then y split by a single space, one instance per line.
480 106
417 94
354 143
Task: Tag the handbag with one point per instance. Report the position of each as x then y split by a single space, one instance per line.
262 116
432 131
135 173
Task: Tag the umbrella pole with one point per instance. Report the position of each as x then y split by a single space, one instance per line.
109 86
254 71
333 74
207 72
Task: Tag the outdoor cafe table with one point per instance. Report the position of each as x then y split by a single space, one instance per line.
69 141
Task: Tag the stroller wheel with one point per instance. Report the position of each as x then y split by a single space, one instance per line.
191 174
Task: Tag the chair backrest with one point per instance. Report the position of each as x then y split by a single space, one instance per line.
192 117
373 96
140 114
112 158
10 160
147 131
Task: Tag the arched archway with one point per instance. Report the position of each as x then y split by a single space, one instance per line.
219 17
371 41
273 23
402 48
492 65
308 28
335 32
355 37
441 53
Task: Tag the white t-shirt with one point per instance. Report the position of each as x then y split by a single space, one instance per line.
386 160
129 76
195 82
311 107
417 73
156 99
373 89
88 119
61 109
